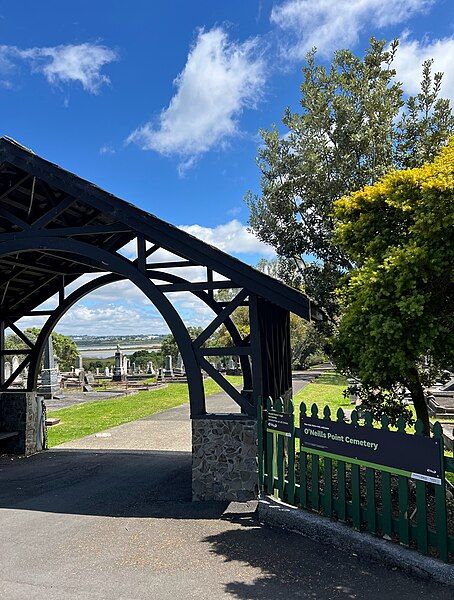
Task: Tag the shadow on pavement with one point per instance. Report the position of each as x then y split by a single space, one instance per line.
111 483
293 566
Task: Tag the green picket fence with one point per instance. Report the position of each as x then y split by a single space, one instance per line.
411 512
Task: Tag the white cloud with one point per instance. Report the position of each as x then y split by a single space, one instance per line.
81 63
106 149
412 53
219 80
232 237
333 24
111 319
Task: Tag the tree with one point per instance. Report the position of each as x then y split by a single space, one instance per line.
347 135
64 347
305 339
398 301
143 356
169 345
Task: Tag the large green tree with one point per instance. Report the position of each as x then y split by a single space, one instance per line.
353 127
398 300
64 347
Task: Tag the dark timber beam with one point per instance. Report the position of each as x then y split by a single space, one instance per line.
6 214
171 264
32 313
14 186
227 387
226 312
256 352
69 231
227 351
17 372
53 213
141 254
19 334
197 285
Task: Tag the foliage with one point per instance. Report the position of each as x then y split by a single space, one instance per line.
305 339
169 345
399 299
64 347
142 357
240 317
380 402
347 135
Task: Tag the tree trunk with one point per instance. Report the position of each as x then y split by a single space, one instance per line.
417 395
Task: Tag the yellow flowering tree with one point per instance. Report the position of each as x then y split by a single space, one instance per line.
398 299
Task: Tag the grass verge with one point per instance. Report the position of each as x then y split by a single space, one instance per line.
326 390
92 417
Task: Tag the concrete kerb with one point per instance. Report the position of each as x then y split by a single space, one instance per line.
278 514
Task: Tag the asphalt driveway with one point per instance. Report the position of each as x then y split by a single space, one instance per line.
111 518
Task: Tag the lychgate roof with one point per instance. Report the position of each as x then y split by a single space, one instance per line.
39 199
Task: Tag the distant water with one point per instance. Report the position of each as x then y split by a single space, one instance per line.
107 352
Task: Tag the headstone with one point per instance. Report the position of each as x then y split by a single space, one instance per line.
8 370
79 364
49 374
168 371
232 368
179 367
125 365
150 369
97 371
118 374
88 382
449 386
107 372
15 364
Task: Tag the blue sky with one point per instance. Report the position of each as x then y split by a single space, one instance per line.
161 102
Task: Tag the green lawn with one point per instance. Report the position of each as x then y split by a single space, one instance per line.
92 417
326 390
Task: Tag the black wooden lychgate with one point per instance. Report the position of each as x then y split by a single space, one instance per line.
56 227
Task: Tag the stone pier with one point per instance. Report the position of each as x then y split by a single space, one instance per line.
224 458
20 412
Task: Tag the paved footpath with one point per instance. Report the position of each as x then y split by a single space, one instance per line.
110 518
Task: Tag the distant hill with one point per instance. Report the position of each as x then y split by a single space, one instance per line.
112 340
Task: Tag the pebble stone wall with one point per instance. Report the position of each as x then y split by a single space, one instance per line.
224 459
19 412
